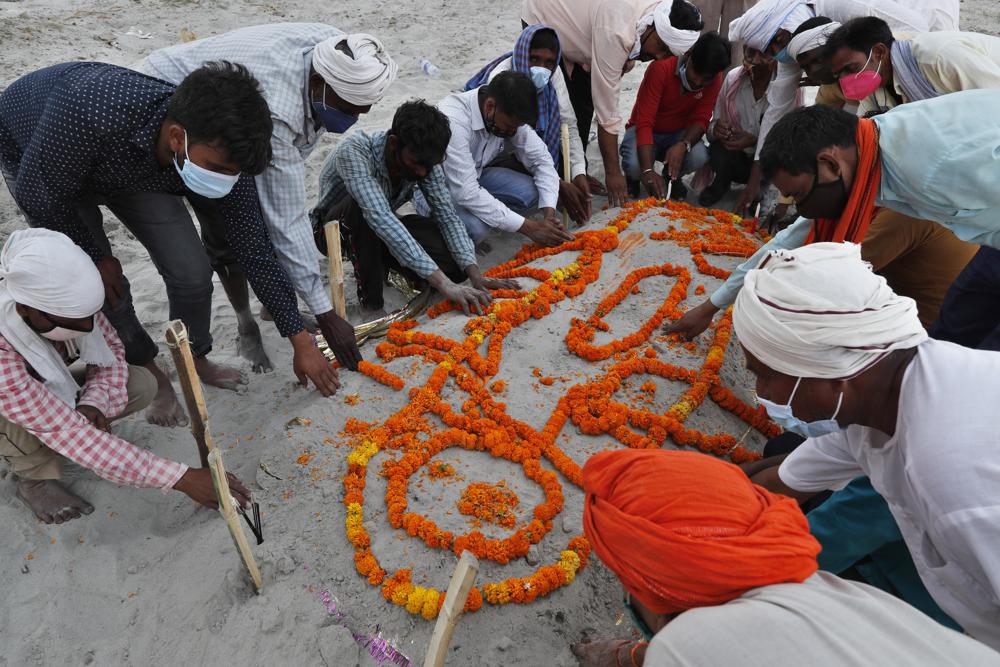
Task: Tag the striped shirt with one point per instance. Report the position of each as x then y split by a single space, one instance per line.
280 58
357 169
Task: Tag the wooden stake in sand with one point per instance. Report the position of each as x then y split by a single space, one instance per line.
336 266
180 349
227 507
567 169
454 602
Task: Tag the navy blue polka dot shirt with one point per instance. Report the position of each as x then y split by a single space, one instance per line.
79 128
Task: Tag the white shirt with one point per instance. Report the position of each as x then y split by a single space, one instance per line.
939 473
749 109
577 157
824 621
279 56
472 148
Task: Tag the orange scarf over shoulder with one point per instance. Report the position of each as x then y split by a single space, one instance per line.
853 222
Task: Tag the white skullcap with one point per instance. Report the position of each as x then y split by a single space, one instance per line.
819 311
678 41
807 40
361 78
45 270
758 26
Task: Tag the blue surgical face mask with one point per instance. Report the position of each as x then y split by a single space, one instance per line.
682 72
203 181
541 77
783 417
334 120
783 56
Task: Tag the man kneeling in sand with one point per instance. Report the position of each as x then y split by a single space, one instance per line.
50 300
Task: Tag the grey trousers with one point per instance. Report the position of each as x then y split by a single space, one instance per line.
163 226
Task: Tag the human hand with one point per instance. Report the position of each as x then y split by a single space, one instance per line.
675 160
308 363
694 321
339 335
546 232
496 283
601 653
655 185
747 198
111 275
617 189
739 140
574 201
582 183
95 417
197 485
471 299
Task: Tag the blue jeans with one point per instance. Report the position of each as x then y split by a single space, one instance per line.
694 160
514 189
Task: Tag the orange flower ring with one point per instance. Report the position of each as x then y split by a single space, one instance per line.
484 425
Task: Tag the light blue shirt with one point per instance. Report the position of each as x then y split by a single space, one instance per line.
940 162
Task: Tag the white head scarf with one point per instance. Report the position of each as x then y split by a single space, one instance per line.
758 26
820 312
360 79
47 271
807 40
678 41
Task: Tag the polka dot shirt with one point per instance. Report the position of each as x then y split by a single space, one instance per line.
80 128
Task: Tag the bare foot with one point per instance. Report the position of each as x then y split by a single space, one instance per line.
51 501
309 321
217 375
598 653
250 345
165 410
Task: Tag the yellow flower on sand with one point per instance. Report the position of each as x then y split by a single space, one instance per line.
362 454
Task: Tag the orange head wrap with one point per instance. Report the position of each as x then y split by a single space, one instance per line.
684 530
852 226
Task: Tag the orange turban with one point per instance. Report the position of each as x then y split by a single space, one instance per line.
684 530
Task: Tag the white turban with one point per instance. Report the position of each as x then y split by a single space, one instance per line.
807 40
678 41
361 78
758 26
820 312
45 270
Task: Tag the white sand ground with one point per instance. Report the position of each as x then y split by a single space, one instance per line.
150 579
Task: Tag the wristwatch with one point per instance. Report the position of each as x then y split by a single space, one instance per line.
687 146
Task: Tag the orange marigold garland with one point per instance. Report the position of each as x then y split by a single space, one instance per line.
483 424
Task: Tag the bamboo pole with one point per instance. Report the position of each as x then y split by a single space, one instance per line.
567 168
180 350
228 510
454 603
335 263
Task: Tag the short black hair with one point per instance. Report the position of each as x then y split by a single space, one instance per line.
859 34
545 38
423 129
794 142
711 54
686 16
220 104
515 95
809 24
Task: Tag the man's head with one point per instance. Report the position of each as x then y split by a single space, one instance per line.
508 102
811 155
769 24
219 120
349 74
676 24
860 44
418 139
709 56
55 286
807 44
544 49
813 321
683 530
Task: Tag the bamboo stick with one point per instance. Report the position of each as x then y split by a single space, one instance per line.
228 511
454 603
567 168
180 350
336 267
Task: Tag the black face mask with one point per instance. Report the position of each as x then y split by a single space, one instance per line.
491 127
825 200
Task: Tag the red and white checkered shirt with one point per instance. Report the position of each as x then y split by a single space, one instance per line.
26 402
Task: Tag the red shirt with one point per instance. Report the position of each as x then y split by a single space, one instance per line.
663 106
